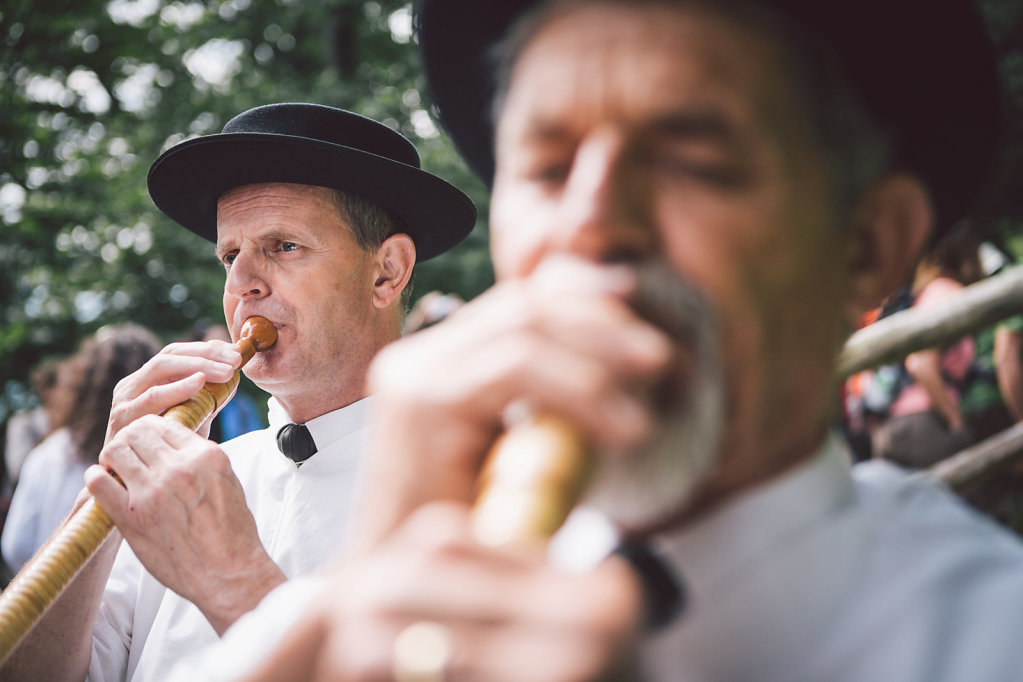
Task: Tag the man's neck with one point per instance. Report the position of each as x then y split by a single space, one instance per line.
305 407
727 482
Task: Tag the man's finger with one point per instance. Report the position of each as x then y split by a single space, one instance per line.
110 495
119 456
157 440
158 399
169 367
216 350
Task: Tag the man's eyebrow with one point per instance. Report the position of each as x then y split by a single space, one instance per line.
273 234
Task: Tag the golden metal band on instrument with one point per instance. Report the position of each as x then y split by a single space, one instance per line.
41 581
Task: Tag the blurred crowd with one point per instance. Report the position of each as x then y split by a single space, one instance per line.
939 401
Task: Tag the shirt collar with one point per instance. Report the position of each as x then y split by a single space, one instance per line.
711 552
328 427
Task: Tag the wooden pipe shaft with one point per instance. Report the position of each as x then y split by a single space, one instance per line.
533 478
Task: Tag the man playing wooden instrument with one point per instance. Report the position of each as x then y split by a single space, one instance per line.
786 158
318 216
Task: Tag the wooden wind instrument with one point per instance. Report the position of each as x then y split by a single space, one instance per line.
50 571
532 479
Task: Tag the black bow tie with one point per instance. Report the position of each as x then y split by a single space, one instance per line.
295 442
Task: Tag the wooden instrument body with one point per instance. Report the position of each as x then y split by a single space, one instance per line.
533 478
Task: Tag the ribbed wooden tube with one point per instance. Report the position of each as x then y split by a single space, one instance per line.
54 566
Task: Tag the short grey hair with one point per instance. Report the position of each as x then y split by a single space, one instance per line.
857 149
371 224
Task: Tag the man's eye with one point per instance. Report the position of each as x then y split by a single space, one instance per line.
228 258
549 173
555 172
289 246
723 174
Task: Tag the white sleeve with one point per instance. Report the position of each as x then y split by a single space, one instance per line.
253 637
112 631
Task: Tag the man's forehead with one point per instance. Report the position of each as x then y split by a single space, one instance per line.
274 192
274 211
677 67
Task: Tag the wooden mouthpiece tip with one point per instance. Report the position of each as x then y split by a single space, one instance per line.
259 331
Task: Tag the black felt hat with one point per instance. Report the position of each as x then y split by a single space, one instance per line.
923 69
310 144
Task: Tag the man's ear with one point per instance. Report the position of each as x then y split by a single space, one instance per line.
890 226
395 259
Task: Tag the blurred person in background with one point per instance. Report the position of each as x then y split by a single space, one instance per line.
27 428
926 423
432 308
53 472
993 398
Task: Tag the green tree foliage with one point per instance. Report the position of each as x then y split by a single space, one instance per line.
1003 212
93 90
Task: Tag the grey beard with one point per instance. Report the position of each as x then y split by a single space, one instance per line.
641 488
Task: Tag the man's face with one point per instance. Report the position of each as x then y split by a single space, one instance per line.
290 258
673 134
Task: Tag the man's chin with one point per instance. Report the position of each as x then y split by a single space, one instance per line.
645 490
648 488
264 370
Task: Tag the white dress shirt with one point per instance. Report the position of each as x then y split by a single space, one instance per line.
820 575
301 513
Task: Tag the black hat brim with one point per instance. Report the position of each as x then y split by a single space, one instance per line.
188 179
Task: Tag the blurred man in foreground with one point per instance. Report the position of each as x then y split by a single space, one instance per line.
785 161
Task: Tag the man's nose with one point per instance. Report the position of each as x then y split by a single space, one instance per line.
605 211
246 277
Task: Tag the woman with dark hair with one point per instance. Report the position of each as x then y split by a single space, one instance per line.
52 475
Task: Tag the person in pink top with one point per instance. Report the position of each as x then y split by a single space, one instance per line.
926 424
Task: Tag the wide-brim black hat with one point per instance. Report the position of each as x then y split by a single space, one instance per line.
310 144
923 70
